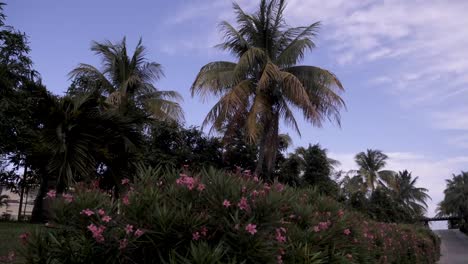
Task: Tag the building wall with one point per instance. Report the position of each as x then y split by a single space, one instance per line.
13 204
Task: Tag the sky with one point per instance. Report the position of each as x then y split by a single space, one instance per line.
403 64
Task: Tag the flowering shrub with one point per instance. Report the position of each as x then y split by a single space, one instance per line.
214 217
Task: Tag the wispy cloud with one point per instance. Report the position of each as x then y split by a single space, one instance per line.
426 40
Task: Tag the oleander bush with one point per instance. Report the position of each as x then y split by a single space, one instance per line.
217 217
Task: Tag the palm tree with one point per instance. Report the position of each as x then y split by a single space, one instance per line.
128 81
403 189
266 83
455 202
370 165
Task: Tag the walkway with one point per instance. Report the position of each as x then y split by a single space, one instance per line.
454 248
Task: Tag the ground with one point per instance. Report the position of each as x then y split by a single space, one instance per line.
454 247
9 235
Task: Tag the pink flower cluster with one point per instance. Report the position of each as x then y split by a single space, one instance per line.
280 234
51 194
226 203
201 233
87 212
68 197
251 228
347 232
243 205
125 200
190 182
322 226
97 232
129 230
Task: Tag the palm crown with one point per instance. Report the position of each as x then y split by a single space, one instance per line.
128 81
266 85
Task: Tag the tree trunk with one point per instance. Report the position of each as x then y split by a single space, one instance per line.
22 190
261 156
271 149
40 209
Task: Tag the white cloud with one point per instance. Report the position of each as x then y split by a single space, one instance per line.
451 119
427 40
432 172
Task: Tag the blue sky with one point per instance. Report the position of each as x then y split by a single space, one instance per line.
402 62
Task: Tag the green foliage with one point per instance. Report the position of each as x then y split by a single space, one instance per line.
184 220
170 145
455 202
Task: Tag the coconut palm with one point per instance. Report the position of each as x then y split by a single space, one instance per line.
455 202
403 188
266 83
370 165
128 81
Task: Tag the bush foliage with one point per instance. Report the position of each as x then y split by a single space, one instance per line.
217 217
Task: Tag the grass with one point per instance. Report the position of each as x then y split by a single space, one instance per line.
9 235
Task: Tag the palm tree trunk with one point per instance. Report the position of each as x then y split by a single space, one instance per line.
261 156
271 149
20 207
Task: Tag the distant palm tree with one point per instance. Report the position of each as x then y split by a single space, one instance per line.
403 189
266 83
455 202
128 81
370 165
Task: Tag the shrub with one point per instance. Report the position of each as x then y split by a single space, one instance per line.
215 217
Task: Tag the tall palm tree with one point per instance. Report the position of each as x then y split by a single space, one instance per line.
403 188
455 202
266 83
127 81
370 165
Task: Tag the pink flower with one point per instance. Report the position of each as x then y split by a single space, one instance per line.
340 213
125 200
125 181
139 232
203 231
244 189
254 193
316 229
123 243
68 197
97 232
106 219
279 187
243 205
128 229
51 194
195 236
279 235
24 238
324 225
101 212
201 187
255 178
279 259
226 203
87 212
251 228
347 232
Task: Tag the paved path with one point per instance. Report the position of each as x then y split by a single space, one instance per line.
454 247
